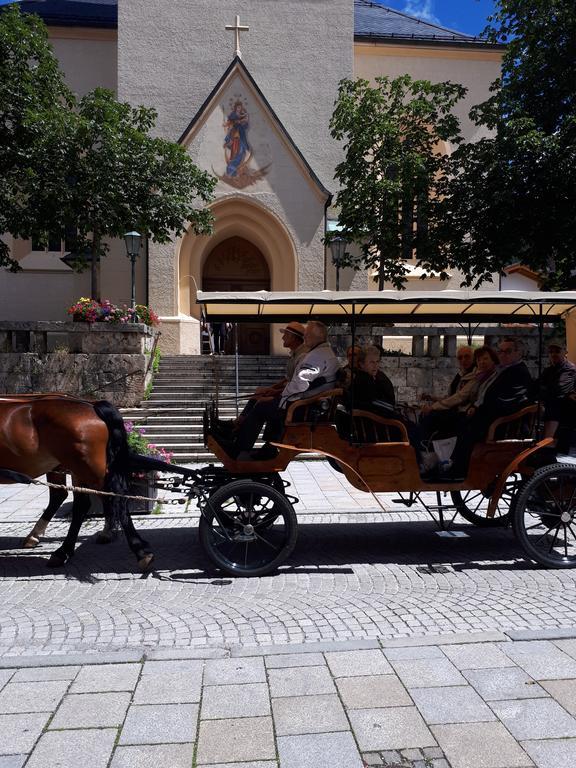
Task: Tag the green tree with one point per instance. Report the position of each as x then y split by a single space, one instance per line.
90 166
120 177
394 165
34 102
512 194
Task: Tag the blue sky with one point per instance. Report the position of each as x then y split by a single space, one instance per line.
467 16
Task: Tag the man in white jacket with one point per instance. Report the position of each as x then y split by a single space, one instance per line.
315 372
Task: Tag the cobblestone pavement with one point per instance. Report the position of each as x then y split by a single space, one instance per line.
479 701
371 575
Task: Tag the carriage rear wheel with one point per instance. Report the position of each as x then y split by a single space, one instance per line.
248 528
544 519
473 505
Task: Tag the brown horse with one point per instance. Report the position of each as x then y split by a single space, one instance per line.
42 434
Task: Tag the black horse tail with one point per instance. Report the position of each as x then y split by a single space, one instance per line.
117 460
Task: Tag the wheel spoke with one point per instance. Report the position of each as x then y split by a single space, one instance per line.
265 541
554 539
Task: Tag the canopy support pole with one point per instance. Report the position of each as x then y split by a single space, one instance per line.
571 334
237 366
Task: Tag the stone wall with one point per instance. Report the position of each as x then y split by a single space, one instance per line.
96 361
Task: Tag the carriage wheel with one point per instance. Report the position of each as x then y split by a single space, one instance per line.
248 528
473 505
544 518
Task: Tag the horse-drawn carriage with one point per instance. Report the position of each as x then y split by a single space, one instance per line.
248 524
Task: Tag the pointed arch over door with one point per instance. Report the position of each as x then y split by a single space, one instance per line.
236 264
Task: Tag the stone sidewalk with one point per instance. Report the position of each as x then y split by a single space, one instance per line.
475 701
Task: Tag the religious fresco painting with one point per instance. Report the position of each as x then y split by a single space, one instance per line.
238 152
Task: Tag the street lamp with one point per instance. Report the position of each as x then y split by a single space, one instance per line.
338 250
132 240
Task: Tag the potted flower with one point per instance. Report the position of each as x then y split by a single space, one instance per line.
92 311
142 483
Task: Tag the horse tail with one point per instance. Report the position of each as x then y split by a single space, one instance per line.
117 461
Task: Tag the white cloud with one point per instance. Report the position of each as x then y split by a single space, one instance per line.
422 9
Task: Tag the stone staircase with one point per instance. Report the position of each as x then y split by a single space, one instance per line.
172 416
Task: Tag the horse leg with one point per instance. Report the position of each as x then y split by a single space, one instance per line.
57 497
66 550
137 543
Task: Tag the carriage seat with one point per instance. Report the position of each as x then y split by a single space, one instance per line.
517 426
319 408
369 427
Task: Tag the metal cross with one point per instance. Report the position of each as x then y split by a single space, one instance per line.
237 28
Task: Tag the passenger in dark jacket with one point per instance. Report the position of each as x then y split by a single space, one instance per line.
557 387
509 391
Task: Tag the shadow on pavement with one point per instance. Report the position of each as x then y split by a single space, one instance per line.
321 548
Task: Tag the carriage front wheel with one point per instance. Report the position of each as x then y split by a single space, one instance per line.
544 516
473 505
248 528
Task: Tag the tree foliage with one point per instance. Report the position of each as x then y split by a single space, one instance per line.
512 194
33 129
91 166
394 136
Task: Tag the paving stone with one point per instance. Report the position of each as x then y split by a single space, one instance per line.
32 697
321 750
5 675
568 646
188 667
425 673
308 714
234 671
564 691
168 689
294 660
355 663
12 761
313 647
70 748
258 764
541 659
372 759
106 677
305 681
91 710
480 745
504 683
39 674
19 732
372 691
477 656
457 704
160 724
413 652
228 701
535 719
244 739
165 755
390 728
552 753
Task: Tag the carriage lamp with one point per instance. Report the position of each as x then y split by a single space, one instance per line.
338 250
132 240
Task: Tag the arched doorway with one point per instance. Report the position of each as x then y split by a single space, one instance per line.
236 264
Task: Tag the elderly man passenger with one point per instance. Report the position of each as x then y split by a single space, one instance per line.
315 372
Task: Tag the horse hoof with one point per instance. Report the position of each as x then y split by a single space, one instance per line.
105 537
145 562
30 542
57 560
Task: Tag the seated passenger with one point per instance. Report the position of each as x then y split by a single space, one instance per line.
315 372
445 416
371 385
557 385
508 390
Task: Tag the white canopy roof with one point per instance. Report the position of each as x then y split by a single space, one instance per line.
389 306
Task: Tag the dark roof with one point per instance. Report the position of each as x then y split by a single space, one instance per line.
373 20
75 13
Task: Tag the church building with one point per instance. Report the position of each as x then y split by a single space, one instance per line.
248 87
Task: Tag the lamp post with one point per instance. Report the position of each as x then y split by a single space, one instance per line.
338 250
132 240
